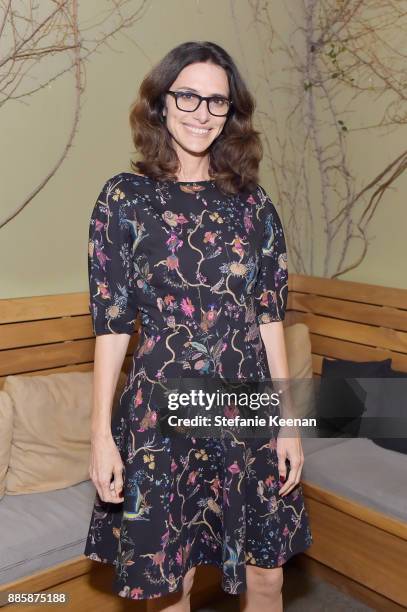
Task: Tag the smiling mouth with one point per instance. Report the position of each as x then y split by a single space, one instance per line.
196 130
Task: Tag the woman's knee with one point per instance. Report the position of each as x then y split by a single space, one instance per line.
264 580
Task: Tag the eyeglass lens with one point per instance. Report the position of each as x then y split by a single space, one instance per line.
189 102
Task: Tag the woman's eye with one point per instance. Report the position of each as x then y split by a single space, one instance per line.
186 95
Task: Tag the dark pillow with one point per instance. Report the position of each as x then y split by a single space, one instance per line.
395 444
341 399
394 404
396 374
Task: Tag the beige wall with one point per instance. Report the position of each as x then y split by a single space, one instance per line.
44 249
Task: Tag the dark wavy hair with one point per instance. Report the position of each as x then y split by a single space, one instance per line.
235 154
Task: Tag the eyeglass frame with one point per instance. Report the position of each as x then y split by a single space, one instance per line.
175 95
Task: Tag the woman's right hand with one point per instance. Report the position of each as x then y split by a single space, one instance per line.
106 460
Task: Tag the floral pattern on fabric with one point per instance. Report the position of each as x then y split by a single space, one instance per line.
202 270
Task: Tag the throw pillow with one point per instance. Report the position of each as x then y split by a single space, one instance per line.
394 405
6 433
341 399
299 357
51 432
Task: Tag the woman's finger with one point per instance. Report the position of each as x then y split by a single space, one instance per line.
106 491
117 484
282 467
293 477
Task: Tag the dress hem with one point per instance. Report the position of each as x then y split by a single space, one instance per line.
204 563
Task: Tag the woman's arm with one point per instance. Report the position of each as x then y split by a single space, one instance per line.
113 308
274 342
110 350
288 444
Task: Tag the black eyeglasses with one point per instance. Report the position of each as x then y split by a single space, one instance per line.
189 102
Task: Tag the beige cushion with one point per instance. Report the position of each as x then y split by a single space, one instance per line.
6 431
51 435
299 357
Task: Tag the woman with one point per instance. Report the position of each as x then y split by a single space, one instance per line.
194 245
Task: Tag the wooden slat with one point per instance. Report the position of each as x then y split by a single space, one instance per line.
14 335
337 349
41 357
34 333
36 358
349 290
364 335
380 316
43 307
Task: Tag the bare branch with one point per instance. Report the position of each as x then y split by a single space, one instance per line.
33 35
338 56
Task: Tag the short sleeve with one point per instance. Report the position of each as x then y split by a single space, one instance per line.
271 289
112 302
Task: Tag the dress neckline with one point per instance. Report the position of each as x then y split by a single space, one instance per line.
193 182
203 182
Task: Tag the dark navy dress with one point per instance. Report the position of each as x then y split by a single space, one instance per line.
203 270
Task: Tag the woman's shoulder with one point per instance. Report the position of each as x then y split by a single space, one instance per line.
119 192
126 182
266 208
264 198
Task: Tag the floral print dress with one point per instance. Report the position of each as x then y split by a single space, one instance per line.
203 270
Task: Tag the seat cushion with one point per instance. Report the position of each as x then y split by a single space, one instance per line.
40 530
312 444
363 472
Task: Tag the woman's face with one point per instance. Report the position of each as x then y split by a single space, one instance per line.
207 80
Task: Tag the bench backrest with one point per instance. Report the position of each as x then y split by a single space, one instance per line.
47 334
350 320
347 320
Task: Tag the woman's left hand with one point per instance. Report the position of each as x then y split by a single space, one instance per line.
289 448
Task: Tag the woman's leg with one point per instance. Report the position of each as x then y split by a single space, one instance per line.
175 602
263 590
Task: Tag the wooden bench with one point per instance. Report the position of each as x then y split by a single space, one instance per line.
361 322
53 333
